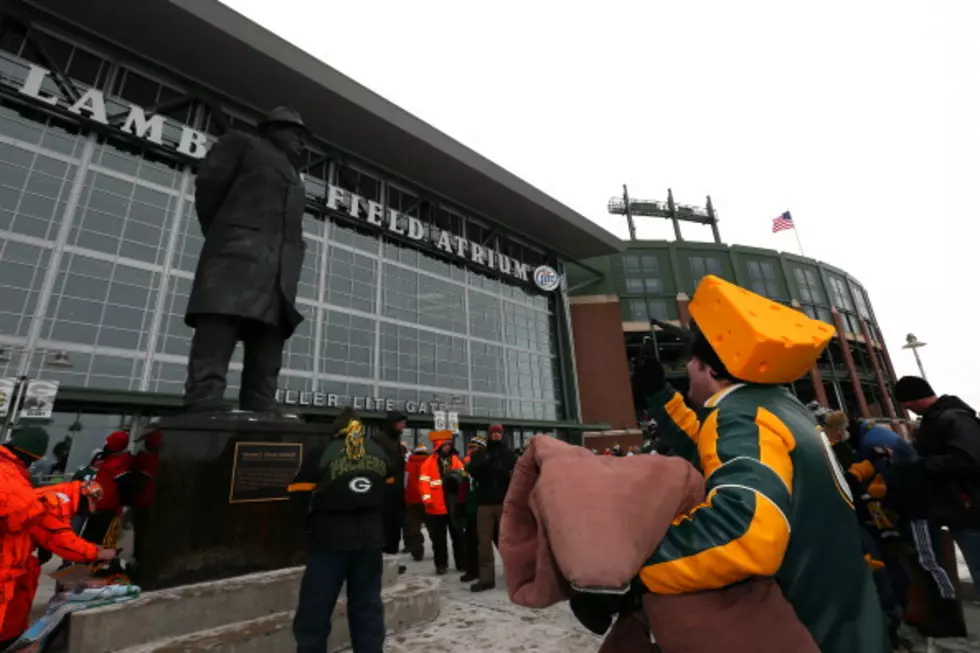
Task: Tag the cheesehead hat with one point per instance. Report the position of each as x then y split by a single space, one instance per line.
758 340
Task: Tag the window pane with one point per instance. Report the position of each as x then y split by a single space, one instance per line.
485 316
638 310
102 303
658 309
351 280
23 268
33 191
348 345
653 285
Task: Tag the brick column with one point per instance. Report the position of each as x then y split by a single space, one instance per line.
902 413
817 379
879 375
683 314
849 364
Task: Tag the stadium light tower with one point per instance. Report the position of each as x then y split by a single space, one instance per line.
913 343
669 210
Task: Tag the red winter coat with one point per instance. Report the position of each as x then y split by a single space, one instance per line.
414 468
112 471
145 466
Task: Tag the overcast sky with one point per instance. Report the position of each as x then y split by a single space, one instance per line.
862 118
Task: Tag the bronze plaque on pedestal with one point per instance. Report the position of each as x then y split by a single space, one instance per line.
262 470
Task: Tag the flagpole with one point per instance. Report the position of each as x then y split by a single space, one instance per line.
798 242
796 232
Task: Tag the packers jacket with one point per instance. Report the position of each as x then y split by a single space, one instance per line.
777 504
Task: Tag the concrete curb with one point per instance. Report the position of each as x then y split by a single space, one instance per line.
407 604
189 609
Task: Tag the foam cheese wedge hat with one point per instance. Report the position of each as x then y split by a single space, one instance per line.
758 340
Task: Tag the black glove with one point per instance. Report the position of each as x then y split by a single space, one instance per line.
596 611
649 376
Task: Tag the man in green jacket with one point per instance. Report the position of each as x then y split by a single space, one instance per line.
777 502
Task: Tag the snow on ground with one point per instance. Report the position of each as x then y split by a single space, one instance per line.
488 621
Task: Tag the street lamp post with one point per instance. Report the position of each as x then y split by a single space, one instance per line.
913 343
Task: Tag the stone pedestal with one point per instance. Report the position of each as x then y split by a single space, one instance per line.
198 528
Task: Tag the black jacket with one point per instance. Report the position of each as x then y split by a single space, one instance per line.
948 443
390 443
344 506
491 469
250 201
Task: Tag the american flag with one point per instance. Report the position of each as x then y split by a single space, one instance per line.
783 222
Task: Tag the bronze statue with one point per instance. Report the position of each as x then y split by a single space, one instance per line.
250 201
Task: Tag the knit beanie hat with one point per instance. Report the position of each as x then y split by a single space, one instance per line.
30 440
495 428
395 416
479 441
819 412
913 388
117 441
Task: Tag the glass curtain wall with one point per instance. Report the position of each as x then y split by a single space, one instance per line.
99 243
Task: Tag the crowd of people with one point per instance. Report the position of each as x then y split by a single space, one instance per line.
366 496
908 496
844 514
848 516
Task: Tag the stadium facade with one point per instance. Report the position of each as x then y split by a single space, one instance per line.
614 297
430 274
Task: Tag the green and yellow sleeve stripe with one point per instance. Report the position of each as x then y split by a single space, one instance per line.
741 529
677 425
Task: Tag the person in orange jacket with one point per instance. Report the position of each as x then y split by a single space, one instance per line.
19 508
438 479
414 508
53 533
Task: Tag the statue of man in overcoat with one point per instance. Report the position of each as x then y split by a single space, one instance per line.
250 200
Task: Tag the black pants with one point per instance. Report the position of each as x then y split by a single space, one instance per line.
394 520
472 546
324 576
215 337
439 526
141 519
414 518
